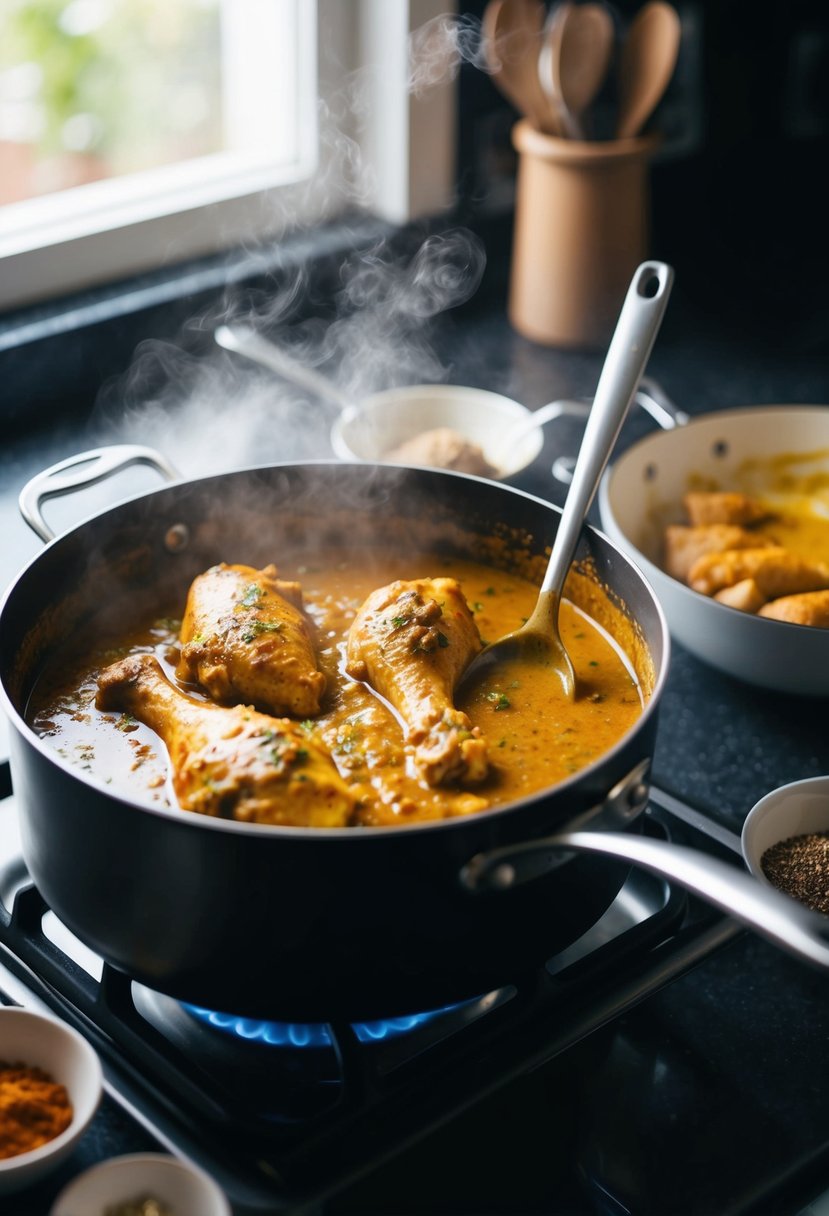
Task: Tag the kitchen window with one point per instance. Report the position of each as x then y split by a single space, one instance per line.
136 133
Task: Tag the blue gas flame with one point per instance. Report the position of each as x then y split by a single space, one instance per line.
311 1034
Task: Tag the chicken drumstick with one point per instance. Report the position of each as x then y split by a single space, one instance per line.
411 641
245 638
231 762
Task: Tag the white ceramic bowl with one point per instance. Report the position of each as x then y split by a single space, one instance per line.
369 430
796 809
180 1186
44 1042
642 492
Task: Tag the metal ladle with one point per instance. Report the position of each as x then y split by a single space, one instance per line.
244 341
539 639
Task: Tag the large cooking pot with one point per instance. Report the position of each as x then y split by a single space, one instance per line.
318 924
276 921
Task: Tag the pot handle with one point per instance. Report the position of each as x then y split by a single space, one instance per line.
80 471
770 913
649 396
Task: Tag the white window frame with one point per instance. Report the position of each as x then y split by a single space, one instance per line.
398 164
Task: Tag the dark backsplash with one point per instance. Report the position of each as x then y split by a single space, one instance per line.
740 197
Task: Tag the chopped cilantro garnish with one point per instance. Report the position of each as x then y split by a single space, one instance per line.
251 595
254 628
498 700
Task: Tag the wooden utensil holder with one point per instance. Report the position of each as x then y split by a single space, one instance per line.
582 226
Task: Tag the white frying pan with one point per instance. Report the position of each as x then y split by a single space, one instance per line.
642 492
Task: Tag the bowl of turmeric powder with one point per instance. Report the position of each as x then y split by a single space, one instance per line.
50 1088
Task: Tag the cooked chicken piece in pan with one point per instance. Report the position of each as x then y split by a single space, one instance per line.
776 572
230 762
745 595
724 507
246 639
811 608
411 641
683 545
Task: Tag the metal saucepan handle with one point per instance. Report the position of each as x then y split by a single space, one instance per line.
768 912
80 471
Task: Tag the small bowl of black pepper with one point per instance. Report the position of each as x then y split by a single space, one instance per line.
785 841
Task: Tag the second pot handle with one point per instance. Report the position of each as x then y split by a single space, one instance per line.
770 913
649 396
80 471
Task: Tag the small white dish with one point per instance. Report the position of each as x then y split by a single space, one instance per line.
179 1185
44 1042
797 809
371 429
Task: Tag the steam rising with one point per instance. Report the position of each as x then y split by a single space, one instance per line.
209 411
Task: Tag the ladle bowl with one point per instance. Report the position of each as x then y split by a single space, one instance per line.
538 640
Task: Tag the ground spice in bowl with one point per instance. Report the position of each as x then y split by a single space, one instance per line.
33 1109
799 866
143 1207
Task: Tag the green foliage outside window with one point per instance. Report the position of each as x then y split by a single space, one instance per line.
136 82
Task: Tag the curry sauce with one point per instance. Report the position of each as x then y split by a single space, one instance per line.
535 736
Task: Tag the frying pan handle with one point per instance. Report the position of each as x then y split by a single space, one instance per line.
82 470
649 396
652 397
770 913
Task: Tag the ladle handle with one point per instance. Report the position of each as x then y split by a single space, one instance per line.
768 912
627 356
244 341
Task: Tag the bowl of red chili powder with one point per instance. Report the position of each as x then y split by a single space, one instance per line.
50 1087
785 841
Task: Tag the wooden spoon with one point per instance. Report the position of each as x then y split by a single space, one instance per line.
538 639
575 57
649 55
511 33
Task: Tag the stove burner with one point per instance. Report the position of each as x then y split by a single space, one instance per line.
314 1034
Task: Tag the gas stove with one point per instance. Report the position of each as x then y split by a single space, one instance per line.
287 1116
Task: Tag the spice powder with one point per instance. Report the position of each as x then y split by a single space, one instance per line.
799 866
33 1109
